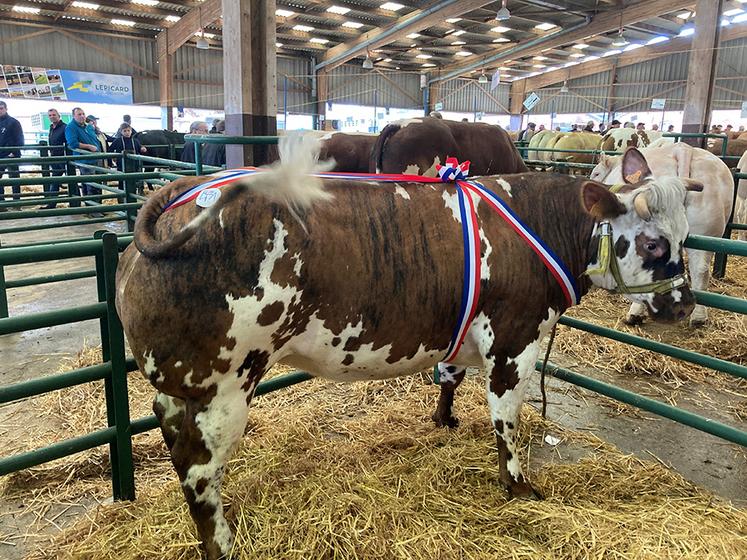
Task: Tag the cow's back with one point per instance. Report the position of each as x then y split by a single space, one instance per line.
418 145
351 152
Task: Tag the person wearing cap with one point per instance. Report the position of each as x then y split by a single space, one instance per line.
103 138
589 127
615 124
526 136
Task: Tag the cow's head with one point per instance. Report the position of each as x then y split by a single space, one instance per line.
605 166
637 244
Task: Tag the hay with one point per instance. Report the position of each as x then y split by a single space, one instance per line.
359 471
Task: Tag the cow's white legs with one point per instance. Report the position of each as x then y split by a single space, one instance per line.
208 436
506 385
699 264
636 314
740 212
450 377
170 413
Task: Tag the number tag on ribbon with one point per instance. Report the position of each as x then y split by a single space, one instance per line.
208 197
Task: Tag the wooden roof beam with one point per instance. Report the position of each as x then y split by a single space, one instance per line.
411 23
603 22
194 20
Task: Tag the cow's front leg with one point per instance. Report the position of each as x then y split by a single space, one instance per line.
506 384
210 430
450 377
636 314
699 264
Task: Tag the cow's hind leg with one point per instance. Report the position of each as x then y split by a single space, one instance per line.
699 264
170 413
209 433
450 377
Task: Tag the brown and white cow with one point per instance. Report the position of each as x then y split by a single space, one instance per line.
350 151
618 139
707 212
416 146
360 281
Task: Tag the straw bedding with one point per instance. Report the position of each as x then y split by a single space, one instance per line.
358 471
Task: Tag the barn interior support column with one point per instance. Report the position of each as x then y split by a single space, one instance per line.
701 72
515 105
611 94
322 96
249 77
165 80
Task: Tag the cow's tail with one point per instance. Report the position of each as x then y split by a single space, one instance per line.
375 162
289 181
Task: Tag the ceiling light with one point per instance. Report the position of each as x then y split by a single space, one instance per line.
539 66
463 53
26 9
460 32
453 19
278 45
459 43
387 60
284 13
172 19
413 35
658 39
86 5
733 12
545 26
500 29
352 24
338 10
501 40
319 41
503 68
209 35
202 43
425 65
685 15
620 41
391 6
124 22
564 87
424 56
739 19
367 63
725 22
539 58
503 14
580 46
305 28
146 2
686 31
483 79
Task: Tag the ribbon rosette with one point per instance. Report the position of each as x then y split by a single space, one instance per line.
452 170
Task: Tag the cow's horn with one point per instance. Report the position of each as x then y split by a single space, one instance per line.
640 202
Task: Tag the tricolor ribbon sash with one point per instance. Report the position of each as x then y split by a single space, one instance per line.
468 191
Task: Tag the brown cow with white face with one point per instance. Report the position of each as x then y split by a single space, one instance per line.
416 146
363 280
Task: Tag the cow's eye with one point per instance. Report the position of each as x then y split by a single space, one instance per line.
650 246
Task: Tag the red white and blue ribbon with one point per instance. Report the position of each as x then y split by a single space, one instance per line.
451 171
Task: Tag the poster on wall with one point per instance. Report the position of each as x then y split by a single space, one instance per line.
65 85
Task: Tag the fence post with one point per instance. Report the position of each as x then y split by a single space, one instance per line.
117 405
198 158
3 291
46 169
73 188
719 259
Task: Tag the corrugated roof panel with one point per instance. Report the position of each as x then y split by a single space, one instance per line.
351 84
467 96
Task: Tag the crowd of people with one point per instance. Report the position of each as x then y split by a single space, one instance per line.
532 128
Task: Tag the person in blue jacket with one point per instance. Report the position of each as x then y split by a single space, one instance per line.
81 139
11 134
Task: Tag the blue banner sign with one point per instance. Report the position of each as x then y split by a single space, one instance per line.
65 85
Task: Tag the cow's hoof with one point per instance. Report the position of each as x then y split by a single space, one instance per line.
524 490
445 421
634 320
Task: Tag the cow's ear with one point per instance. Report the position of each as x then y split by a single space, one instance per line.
635 168
600 202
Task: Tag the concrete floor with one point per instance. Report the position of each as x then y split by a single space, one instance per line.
705 460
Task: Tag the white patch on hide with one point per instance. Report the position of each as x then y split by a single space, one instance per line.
401 192
452 203
505 185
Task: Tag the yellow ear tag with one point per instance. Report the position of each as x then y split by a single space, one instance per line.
634 177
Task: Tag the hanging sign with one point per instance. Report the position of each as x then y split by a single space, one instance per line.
65 85
438 106
658 103
495 80
531 101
